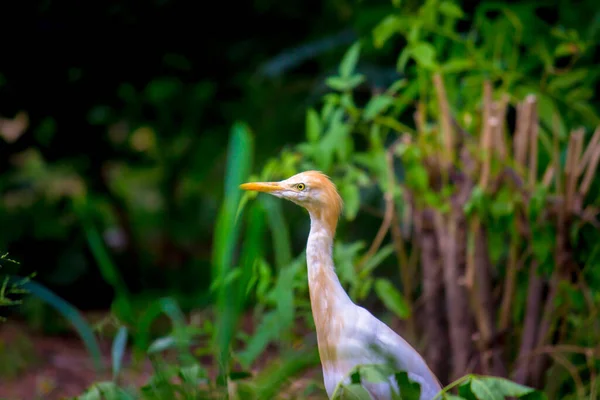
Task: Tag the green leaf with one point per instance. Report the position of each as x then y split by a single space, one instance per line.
457 65
493 388
387 28
417 177
377 259
351 196
226 234
376 106
352 392
68 311
118 350
313 125
391 298
349 61
374 373
192 374
409 390
451 10
345 83
424 55
161 344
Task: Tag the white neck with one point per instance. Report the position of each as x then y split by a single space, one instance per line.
319 259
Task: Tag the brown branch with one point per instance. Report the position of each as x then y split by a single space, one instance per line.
436 352
383 229
446 120
456 301
533 308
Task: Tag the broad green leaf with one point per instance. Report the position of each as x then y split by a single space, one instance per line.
351 196
424 55
409 390
568 79
417 177
387 28
376 106
345 83
349 61
493 388
457 65
279 230
118 350
313 125
352 392
375 373
344 256
391 298
451 10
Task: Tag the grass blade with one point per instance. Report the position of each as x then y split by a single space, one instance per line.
70 313
225 239
118 350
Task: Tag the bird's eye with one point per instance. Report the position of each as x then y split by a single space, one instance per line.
301 186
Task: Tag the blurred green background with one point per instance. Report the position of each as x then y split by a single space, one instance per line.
126 127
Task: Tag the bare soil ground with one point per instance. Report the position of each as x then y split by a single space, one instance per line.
34 366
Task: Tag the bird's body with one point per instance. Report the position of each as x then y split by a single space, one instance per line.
347 334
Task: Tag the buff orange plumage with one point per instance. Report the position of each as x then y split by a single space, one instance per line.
347 334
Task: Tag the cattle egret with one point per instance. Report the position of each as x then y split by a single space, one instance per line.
347 335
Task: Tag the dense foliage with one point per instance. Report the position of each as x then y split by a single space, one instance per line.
464 132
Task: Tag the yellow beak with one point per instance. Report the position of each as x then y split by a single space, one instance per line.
266 187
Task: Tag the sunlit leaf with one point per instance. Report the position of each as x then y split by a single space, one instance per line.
450 9
376 106
313 125
387 28
118 350
349 61
352 392
392 298
424 54
343 84
351 196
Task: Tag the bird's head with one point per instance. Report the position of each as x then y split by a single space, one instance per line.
312 190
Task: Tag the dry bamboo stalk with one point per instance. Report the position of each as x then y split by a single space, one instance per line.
433 297
556 153
522 128
533 141
456 301
572 167
590 172
509 285
548 175
530 330
589 151
487 138
446 120
500 140
487 110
